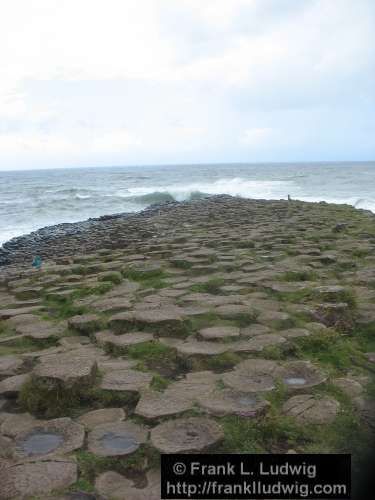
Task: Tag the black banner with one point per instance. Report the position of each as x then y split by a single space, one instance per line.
219 476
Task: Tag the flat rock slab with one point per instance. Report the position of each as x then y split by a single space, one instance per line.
125 380
200 348
307 408
275 319
194 434
111 365
40 330
116 438
10 313
11 386
17 423
234 311
229 402
127 339
258 343
85 323
293 333
112 485
103 416
251 376
349 386
53 437
29 479
9 365
69 368
111 304
255 330
300 375
219 332
165 322
153 404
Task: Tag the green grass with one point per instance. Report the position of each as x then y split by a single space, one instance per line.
159 383
217 363
44 400
23 345
181 264
112 276
211 286
143 275
333 350
365 336
155 356
299 276
90 465
63 310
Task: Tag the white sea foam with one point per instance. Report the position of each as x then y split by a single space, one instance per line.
37 199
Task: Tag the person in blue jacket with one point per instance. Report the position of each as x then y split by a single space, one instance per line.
37 262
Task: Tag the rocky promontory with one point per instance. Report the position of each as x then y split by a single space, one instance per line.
223 325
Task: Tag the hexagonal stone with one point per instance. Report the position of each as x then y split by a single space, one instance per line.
186 435
74 342
53 437
293 333
125 380
40 329
252 375
125 340
103 416
307 408
74 367
116 438
115 486
11 386
111 365
153 404
16 423
235 311
219 332
257 344
349 386
9 365
254 330
85 323
28 479
193 347
166 322
22 319
111 304
10 313
193 385
300 375
230 402
275 319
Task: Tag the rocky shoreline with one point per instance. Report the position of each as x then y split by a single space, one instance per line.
224 325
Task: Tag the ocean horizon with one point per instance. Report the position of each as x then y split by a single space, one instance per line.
32 199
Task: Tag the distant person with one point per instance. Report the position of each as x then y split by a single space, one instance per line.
289 198
37 262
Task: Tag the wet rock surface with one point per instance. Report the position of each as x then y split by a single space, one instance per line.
223 324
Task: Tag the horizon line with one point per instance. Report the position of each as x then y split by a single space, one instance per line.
188 164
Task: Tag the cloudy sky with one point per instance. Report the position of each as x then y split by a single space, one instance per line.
123 82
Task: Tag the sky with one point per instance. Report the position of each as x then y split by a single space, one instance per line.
132 82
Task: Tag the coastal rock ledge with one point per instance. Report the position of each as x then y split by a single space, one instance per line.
221 324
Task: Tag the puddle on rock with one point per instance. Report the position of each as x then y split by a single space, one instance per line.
247 401
124 443
41 442
295 381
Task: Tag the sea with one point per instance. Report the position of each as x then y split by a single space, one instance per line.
33 199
